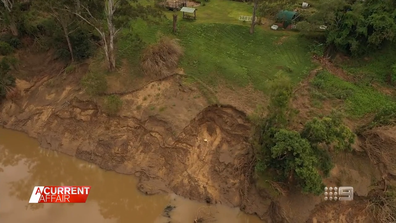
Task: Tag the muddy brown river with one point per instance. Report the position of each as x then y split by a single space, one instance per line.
113 197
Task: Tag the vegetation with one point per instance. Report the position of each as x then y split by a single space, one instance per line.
113 104
298 156
117 13
5 48
385 116
383 205
359 99
356 27
95 83
328 131
254 62
7 81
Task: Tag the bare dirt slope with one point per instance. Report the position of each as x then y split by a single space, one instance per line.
380 144
171 140
170 137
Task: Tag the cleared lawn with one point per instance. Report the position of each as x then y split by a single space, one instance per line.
219 47
228 52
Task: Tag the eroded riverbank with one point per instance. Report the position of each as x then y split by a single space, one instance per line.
194 150
114 197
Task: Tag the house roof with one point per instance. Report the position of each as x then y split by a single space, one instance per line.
286 15
188 10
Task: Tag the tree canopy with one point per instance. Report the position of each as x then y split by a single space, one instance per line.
357 27
300 158
294 155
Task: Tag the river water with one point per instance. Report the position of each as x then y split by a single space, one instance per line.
113 197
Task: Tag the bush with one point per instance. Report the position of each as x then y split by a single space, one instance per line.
5 48
162 58
50 35
7 81
329 131
80 40
11 61
113 104
385 116
94 83
12 40
83 47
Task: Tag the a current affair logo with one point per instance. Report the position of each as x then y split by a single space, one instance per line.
59 194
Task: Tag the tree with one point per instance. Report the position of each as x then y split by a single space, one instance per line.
254 17
108 17
56 8
9 13
270 8
356 26
298 156
392 75
328 131
293 158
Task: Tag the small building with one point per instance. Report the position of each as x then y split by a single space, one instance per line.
286 18
175 5
189 13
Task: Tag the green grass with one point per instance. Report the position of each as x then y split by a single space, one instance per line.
215 51
377 67
359 100
229 52
219 47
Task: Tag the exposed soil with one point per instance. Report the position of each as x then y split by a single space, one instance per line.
169 136
380 144
342 212
170 139
281 40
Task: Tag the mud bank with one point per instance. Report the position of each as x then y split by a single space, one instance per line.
197 151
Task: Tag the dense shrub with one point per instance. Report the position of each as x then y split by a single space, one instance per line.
83 47
11 40
5 48
113 104
7 81
94 83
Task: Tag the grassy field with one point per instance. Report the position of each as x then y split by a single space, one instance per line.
229 52
219 47
359 100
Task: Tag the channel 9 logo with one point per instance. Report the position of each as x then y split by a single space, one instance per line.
338 193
